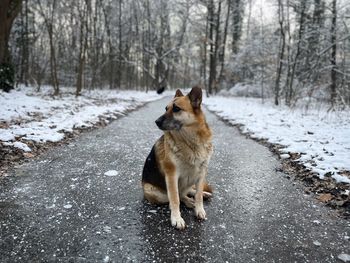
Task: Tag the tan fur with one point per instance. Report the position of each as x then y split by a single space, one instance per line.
154 195
182 158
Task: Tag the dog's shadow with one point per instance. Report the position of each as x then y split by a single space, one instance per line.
164 242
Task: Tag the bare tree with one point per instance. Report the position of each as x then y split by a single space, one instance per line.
237 21
212 53
302 17
223 45
83 11
49 18
9 9
333 85
281 51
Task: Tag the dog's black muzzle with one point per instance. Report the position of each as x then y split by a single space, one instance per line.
160 121
167 124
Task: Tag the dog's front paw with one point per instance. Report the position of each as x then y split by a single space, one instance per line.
200 213
178 222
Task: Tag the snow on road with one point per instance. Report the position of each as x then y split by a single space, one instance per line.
26 115
111 173
322 138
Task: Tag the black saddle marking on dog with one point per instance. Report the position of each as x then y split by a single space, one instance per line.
151 173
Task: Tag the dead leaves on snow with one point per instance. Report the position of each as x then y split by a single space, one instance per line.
325 198
327 190
28 155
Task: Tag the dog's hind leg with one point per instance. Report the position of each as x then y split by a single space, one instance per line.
188 201
154 195
186 198
207 192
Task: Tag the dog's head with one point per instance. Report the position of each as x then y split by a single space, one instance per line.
182 111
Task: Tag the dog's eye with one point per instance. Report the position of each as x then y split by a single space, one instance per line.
176 108
166 108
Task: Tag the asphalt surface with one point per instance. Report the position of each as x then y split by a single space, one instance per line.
61 207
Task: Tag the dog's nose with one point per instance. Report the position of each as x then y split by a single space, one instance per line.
159 121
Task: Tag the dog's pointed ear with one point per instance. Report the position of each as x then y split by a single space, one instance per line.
195 96
178 93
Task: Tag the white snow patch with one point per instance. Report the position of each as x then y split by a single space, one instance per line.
344 257
107 229
322 138
111 173
22 146
284 156
106 259
68 206
6 135
341 178
19 145
121 208
37 116
316 243
317 222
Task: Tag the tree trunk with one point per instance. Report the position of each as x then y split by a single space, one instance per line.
289 92
281 53
120 56
82 47
334 54
223 46
95 45
49 22
289 53
53 62
9 9
23 70
237 20
110 70
204 56
212 59
216 48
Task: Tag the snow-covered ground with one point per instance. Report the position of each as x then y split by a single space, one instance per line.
322 138
26 115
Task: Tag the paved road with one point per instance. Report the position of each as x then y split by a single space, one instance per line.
61 207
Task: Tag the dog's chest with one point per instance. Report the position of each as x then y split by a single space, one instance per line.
191 165
192 157
189 174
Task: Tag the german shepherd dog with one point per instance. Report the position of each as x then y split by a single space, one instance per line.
176 168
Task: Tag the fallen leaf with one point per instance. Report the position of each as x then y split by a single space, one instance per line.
28 155
325 198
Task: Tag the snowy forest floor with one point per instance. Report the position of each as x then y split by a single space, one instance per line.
32 121
313 144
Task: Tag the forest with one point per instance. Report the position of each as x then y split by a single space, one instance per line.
288 50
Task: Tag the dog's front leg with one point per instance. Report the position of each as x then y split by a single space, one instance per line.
198 204
174 201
